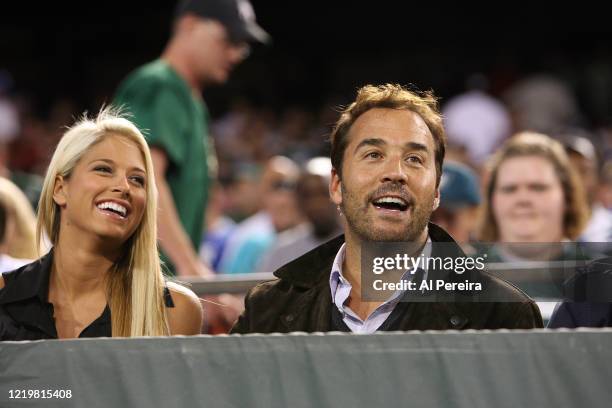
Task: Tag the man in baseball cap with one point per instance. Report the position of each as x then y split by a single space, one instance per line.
209 38
237 16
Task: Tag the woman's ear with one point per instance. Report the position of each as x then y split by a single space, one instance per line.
59 191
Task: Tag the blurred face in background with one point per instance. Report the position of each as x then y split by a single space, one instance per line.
460 223
313 194
212 53
528 201
243 198
281 204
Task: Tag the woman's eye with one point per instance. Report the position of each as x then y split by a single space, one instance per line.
539 187
138 180
103 169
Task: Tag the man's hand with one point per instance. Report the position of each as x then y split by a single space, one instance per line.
221 312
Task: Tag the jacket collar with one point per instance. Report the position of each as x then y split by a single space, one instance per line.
31 280
307 270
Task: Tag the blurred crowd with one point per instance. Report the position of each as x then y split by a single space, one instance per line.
523 165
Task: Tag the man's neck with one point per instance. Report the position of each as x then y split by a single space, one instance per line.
174 57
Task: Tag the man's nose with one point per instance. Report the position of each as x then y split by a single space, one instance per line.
239 51
395 170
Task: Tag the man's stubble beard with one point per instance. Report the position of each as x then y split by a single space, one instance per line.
364 228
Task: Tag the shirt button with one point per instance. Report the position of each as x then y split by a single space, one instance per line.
289 318
455 320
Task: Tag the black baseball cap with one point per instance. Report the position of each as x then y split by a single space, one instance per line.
237 16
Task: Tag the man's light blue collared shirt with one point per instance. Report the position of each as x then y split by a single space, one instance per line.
341 289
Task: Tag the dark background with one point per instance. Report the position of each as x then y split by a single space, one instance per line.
321 51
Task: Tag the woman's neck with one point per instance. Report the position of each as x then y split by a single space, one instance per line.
80 269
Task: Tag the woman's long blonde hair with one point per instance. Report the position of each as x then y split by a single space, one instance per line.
22 241
135 284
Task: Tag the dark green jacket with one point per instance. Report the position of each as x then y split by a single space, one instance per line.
300 300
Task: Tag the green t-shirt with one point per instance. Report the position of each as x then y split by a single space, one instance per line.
175 120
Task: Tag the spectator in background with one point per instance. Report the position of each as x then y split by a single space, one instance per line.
459 204
279 212
250 239
541 103
605 185
244 190
9 121
209 38
533 195
322 219
583 157
7 262
476 122
218 227
593 308
19 240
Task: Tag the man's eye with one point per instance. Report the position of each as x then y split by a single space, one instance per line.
373 155
415 159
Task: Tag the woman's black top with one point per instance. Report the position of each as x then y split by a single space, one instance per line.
25 311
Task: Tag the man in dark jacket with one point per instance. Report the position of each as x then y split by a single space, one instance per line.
387 153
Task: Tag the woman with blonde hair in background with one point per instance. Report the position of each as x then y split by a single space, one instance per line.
102 276
18 227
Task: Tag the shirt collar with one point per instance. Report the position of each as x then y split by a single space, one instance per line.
336 277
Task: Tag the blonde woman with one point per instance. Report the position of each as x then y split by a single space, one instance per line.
102 276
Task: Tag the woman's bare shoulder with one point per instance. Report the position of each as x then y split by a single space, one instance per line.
185 318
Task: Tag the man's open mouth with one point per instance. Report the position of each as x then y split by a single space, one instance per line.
391 203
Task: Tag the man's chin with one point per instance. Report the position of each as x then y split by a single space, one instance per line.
385 235
221 76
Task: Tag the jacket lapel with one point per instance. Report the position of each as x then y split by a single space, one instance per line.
311 310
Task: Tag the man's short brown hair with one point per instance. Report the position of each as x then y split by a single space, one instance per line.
389 96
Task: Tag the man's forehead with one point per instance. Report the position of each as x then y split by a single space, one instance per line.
392 125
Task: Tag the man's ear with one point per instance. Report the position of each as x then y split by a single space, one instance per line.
335 188
59 191
436 202
185 23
